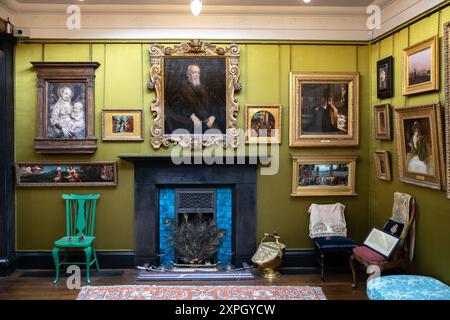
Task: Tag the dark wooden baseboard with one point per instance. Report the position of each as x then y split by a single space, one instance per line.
294 261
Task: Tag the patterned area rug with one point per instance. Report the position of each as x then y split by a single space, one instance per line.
201 293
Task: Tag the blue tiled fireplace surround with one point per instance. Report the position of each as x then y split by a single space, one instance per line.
153 175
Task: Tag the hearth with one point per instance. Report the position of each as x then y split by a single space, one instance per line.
156 181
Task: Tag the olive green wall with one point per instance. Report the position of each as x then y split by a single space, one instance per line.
121 83
432 254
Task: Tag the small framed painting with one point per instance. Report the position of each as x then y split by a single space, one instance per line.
383 165
420 145
382 119
385 78
122 125
323 175
59 174
382 242
263 123
421 67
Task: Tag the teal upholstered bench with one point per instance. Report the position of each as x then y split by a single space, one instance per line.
407 287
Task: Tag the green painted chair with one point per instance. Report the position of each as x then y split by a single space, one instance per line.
80 218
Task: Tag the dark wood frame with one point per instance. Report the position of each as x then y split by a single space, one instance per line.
386 109
104 114
389 91
380 175
65 72
66 184
432 111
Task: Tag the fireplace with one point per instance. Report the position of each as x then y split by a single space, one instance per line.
156 180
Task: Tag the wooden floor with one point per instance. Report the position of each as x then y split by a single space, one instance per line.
335 287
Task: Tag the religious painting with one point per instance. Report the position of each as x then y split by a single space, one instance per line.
420 145
323 175
421 67
324 109
382 121
195 84
63 174
65 122
263 123
383 165
385 78
122 125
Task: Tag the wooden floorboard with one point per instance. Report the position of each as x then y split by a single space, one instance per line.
14 287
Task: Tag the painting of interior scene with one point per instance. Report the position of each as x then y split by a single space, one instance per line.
66 111
122 124
419 155
419 66
263 124
323 175
324 108
65 173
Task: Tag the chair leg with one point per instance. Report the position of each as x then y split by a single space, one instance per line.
96 260
88 252
322 267
352 267
55 254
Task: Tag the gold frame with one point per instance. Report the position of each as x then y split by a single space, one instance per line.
386 157
260 107
386 109
447 103
349 190
296 139
433 112
138 133
433 84
66 184
199 50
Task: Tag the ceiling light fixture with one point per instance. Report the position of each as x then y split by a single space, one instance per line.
306 1
196 7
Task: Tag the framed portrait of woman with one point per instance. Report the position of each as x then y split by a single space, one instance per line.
324 109
420 145
385 78
65 122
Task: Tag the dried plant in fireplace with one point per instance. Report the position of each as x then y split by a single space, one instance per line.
197 239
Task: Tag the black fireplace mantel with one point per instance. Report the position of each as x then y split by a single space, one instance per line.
153 172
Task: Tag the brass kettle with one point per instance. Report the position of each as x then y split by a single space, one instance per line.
269 256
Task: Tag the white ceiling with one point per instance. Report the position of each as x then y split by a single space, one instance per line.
331 3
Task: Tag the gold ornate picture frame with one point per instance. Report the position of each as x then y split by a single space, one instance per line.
420 145
447 103
195 104
263 123
382 121
421 67
122 125
324 109
383 165
323 175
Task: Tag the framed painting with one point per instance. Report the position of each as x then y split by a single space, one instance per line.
122 125
323 175
421 67
65 122
420 145
382 119
385 78
381 242
195 84
383 165
63 174
263 123
447 103
324 109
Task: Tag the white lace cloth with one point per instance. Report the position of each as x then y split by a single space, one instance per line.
327 220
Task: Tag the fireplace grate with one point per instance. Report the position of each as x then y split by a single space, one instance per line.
190 201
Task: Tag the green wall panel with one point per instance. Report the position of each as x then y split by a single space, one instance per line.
432 256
